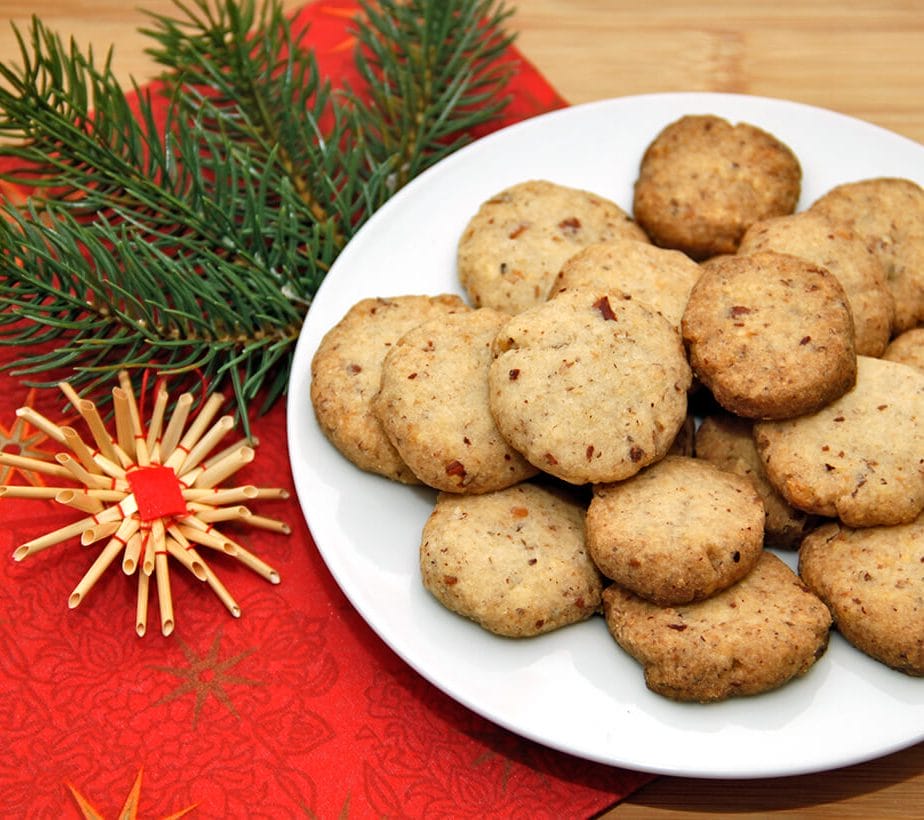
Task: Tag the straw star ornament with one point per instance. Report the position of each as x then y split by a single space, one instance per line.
149 493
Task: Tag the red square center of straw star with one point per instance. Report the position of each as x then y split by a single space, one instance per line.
157 492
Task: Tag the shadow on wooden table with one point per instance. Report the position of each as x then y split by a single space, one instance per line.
822 794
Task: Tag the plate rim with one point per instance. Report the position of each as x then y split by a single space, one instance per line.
297 401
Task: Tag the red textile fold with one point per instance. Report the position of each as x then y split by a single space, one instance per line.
295 709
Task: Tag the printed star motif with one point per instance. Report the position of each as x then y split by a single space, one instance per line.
514 749
24 440
129 810
208 675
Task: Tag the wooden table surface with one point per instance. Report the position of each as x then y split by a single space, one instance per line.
864 58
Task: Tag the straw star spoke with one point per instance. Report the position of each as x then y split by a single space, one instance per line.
148 494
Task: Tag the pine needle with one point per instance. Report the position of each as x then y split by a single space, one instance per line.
194 247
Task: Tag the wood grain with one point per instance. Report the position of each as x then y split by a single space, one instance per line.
890 787
865 59
860 58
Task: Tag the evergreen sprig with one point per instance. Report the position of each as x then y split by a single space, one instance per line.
196 245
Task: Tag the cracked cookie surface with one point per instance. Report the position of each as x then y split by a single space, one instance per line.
770 335
752 637
589 386
514 561
513 247
678 531
860 458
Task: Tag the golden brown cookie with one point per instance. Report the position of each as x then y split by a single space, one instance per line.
433 405
752 637
589 386
514 561
513 247
728 442
703 181
834 246
346 369
907 348
657 277
873 582
861 458
678 531
888 214
770 335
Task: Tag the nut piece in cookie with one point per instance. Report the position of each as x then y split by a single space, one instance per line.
907 348
703 181
589 386
873 582
678 531
888 215
433 404
859 459
513 561
837 248
657 277
728 442
345 373
513 247
770 335
752 637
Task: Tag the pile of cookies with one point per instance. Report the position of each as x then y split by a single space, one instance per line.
627 411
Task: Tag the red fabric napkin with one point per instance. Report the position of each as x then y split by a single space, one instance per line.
295 709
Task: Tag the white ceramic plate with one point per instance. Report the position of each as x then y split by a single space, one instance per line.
575 690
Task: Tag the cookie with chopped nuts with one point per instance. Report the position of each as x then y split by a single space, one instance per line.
703 181
346 370
657 277
873 582
836 247
860 458
753 637
514 561
770 335
678 531
589 386
513 247
433 405
907 348
888 215
728 442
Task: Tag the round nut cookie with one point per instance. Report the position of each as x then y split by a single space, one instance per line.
514 561
703 181
861 458
433 405
657 277
346 370
752 637
727 441
888 214
513 247
812 237
873 582
907 348
589 386
678 531
770 335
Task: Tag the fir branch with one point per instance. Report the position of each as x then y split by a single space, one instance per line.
195 244
432 74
